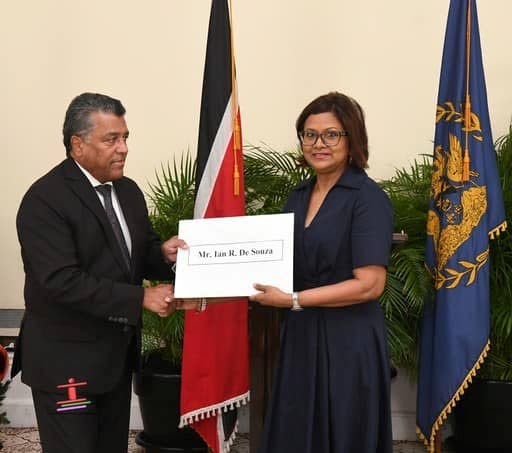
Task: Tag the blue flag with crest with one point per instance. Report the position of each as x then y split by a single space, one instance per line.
466 211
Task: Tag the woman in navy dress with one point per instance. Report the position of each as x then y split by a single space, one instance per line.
332 388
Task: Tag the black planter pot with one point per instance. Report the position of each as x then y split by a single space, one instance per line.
483 418
159 400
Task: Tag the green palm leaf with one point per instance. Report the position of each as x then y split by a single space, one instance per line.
407 283
270 176
498 364
171 198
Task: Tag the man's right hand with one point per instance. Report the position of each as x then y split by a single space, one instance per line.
159 299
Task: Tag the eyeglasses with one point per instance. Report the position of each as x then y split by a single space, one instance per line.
330 137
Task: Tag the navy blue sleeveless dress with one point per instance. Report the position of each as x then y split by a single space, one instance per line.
332 387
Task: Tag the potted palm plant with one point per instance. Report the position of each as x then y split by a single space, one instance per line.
407 283
158 383
484 415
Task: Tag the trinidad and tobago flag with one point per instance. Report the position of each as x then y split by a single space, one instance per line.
215 374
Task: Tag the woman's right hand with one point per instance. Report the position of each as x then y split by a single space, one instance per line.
271 296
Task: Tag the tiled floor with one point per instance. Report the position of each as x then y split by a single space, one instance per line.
27 441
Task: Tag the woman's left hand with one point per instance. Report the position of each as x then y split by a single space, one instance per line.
272 296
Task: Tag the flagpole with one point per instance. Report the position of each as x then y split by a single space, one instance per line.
437 446
237 146
209 388
467 107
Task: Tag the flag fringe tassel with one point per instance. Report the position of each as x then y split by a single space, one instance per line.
499 229
216 409
430 442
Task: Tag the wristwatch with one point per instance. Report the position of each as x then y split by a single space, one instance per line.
295 302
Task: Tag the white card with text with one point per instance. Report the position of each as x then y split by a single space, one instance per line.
227 255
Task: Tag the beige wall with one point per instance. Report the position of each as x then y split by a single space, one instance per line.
150 54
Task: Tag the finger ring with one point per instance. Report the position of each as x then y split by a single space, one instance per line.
167 299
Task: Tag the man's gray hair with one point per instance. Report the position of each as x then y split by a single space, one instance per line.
78 115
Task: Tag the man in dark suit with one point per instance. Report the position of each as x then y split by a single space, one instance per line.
87 243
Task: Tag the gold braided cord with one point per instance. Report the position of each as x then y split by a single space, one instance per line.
499 229
234 109
430 441
467 108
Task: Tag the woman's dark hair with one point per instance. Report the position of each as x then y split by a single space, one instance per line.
350 115
78 115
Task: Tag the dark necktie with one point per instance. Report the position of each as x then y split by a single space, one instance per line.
106 191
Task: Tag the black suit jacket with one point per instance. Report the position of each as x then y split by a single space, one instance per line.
83 306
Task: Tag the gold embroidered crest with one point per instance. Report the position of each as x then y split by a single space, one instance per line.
458 207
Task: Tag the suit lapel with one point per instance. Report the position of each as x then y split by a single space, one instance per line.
84 190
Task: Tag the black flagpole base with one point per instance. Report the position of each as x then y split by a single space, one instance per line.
149 447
